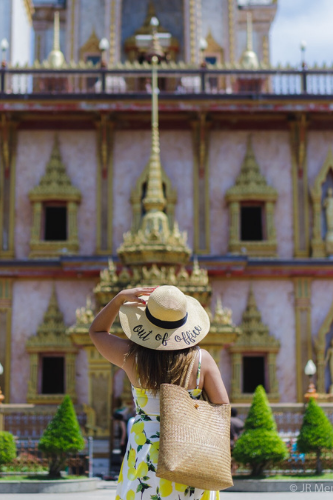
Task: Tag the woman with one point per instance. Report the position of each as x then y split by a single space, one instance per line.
163 327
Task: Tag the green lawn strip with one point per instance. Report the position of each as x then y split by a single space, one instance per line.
286 477
39 478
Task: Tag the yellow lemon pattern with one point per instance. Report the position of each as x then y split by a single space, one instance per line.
137 479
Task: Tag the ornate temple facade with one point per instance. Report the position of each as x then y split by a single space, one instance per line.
220 184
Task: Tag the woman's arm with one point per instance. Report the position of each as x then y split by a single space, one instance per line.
212 380
110 346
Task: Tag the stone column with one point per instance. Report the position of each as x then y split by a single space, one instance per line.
302 287
236 383
37 222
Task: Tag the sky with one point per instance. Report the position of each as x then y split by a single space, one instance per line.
308 20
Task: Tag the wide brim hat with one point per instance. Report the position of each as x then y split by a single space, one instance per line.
169 321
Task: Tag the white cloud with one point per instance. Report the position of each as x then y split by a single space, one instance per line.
297 20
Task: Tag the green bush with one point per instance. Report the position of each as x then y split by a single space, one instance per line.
316 433
260 446
61 437
7 448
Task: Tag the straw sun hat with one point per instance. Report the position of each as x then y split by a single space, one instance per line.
169 321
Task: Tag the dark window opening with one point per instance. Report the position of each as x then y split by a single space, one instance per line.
251 223
53 375
211 59
55 224
253 373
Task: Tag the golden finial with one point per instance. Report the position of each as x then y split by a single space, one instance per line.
154 199
56 58
249 57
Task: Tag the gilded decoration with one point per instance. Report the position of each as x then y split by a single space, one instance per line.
251 186
321 247
323 358
213 48
254 338
154 241
135 53
51 338
54 187
91 47
154 252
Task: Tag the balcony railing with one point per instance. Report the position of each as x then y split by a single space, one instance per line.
174 79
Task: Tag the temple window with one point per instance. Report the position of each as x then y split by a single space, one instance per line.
251 222
52 359
52 374
322 206
55 224
253 373
251 202
55 204
253 357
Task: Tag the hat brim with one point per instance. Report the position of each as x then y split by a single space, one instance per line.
140 330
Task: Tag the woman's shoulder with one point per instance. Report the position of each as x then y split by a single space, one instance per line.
206 358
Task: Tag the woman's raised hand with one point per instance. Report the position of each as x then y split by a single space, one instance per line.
134 294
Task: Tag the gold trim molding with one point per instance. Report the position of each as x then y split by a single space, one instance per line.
251 186
51 337
54 186
317 242
255 338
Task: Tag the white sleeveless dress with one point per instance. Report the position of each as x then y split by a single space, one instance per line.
137 479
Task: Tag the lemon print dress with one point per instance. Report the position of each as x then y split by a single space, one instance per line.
137 479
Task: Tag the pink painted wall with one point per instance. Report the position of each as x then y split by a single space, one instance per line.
78 151
275 301
226 155
30 301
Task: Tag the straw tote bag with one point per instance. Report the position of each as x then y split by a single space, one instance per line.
194 439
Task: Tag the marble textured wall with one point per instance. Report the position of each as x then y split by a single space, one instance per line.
91 18
272 151
30 301
272 297
131 154
78 150
21 36
212 20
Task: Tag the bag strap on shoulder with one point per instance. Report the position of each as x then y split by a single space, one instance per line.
190 368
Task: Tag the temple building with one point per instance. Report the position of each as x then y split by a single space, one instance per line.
149 143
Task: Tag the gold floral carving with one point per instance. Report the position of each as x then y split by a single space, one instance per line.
317 242
255 338
51 338
213 48
90 47
320 346
251 186
54 186
130 45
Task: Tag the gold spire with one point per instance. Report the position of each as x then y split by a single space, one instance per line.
154 241
249 58
56 57
154 199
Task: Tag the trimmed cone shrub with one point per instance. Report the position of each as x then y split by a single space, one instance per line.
61 437
260 446
316 433
7 448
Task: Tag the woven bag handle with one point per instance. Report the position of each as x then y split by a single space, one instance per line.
190 368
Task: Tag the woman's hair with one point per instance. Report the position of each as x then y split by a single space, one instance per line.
161 367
